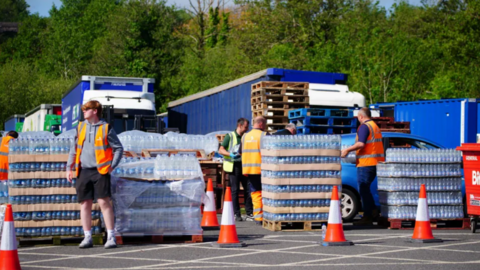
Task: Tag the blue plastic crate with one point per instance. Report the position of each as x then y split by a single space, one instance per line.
325 122
325 130
298 113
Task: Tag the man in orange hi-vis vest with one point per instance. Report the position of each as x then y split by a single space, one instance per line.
251 165
97 151
4 154
369 147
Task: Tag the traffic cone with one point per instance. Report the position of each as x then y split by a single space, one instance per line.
228 231
209 220
8 249
423 231
334 235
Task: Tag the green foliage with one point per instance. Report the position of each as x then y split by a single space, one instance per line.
405 53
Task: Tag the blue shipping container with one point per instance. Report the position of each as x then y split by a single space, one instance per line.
11 122
449 122
219 108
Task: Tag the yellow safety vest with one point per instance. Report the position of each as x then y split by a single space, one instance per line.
103 151
251 157
227 160
372 152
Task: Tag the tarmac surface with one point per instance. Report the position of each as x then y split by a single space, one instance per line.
375 248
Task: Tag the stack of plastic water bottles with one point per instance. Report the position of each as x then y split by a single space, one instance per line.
405 170
163 205
138 140
3 192
298 175
44 202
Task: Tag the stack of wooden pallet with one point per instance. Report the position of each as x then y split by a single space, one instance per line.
388 124
273 100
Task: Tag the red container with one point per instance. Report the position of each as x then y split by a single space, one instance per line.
471 171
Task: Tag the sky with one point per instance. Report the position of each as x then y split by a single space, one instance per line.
43 6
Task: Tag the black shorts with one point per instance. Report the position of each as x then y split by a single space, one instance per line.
92 185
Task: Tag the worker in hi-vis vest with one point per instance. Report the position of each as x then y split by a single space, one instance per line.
251 164
369 147
97 151
4 154
232 165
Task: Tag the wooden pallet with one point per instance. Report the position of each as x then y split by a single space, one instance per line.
407 131
270 112
158 239
293 226
57 240
280 85
394 125
280 105
383 120
436 224
279 98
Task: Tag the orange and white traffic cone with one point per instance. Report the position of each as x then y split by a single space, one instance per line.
8 249
423 231
209 219
228 237
335 235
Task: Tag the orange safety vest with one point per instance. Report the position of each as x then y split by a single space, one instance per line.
4 158
103 151
251 157
372 152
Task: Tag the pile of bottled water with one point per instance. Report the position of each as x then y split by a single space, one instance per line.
38 167
296 203
314 141
296 217
300 160
418 170
54 231
137 141
351 157
41 183
297 188
407 155
413 184
135 168
43 199
40 146
158 207
3 192
410 212
51 215
2 215
411 198
300 174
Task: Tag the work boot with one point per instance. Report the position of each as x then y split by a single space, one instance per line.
238 218
86 243
249 218
111 243
365 221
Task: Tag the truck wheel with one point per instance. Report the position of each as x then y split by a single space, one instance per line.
349 204
473 225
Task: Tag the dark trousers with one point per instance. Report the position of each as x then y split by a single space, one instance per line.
365 177
236 177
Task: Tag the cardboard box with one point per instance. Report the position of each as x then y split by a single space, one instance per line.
51 207
52 223
42 191
295 196
302 181
302 167
301 152
36 175
295 210
37 158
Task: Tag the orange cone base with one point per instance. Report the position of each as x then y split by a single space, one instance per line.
234 245
425 241
336 244
9 259
210 220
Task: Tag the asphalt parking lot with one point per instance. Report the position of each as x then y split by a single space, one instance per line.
375 248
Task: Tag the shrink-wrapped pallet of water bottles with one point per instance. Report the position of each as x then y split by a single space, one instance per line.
158 196
298 175
406 169
44 203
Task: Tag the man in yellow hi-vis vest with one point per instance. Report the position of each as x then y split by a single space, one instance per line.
232 164
251 165
97 151
369 147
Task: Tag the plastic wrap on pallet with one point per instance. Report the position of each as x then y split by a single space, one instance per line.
158 207
296 217
423 155
297 203
413 184
418 170
3 192
410 212
2 216
411 198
